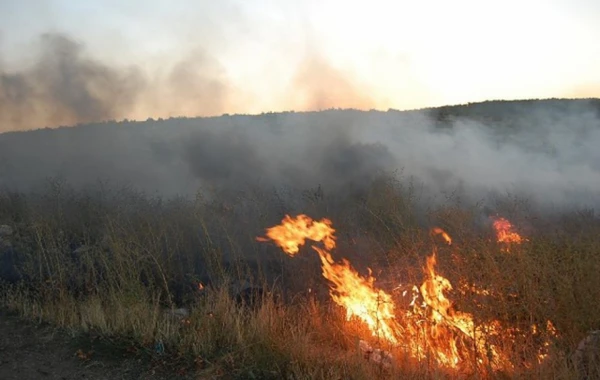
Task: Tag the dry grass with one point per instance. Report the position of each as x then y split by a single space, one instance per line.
112 262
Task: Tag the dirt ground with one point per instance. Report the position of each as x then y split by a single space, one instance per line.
32 351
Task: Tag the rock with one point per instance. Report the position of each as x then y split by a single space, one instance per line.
586 357
381 357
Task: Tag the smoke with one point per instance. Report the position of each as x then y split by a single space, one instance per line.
546 150
318 86
543 150
222 158
197 85
64 87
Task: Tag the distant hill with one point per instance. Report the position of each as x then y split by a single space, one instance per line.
540 141
506 110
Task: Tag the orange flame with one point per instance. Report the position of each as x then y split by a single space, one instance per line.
359 297
446 322
348 289
292 233
505 232
439 231
445 328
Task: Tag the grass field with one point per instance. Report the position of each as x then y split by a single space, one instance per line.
111 262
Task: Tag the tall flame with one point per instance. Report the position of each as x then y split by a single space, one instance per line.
348 288
431 328
359 297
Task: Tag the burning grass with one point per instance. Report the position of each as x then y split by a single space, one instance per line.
444 297
431 327
505 233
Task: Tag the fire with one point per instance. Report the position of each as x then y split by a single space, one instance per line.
439 231
292 233
429 327
447 324
348 288
505 232
359 297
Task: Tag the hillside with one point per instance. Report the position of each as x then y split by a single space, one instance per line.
455 242
494 146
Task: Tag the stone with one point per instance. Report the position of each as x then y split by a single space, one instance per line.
375 355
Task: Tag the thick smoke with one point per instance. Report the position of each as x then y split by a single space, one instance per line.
64 87
222 158
545 150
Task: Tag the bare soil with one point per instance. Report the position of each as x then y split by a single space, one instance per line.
38 351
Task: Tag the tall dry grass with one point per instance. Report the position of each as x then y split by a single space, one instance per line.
113 261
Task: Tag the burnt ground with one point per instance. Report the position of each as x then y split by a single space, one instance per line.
39 351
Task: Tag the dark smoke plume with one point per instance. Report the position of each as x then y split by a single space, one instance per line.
64 88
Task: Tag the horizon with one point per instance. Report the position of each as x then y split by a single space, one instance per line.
258 114
59 66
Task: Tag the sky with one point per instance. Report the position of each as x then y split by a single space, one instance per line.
203 58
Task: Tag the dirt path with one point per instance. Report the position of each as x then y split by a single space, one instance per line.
30 351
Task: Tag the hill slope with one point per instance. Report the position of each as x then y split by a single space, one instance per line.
499 146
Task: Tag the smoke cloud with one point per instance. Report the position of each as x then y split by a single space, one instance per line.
320 86
64 88
545 150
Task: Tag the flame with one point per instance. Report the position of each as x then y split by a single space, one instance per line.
292 233
431 328
505 232
448 328
348 288
439 231
359 297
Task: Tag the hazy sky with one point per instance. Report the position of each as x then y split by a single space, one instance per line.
275 55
